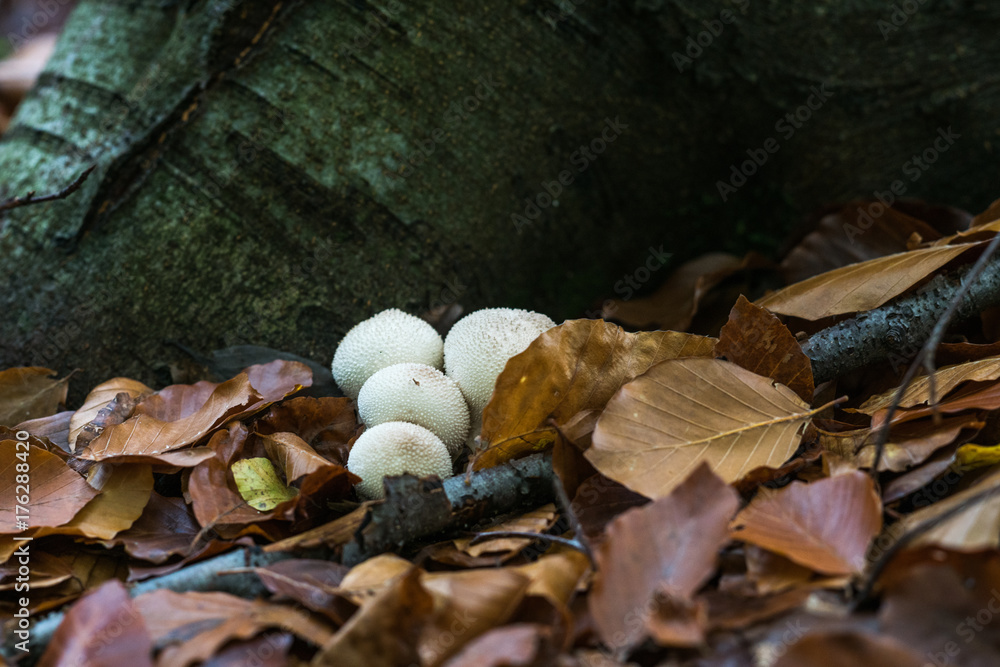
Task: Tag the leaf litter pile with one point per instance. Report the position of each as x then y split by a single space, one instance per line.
660 497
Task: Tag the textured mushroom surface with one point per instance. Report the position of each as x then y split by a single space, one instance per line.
479 345
394 448
391 337
419 394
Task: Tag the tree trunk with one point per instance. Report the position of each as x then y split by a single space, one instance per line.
273 172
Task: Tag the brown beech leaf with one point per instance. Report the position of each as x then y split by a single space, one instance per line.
30 393
536 521
675 303
666 549
166 528
851 233
194 626
466 604
991 214
945 380
144 434
54 491
309 582
102 629
685 411
974 396
578 365
52 432
97 401
909 444
861 287
941 603
771 572
758 341
514 645
826 525
328 424
849 649
214 498
125 489
386 630
977 527
294 457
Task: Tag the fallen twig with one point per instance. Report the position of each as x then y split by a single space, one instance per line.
30 198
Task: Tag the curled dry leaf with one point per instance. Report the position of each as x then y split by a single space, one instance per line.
97 402
909 444
29 393
578 365
55 491
945 379
685 411
144 434
973 528
975 396
849 233
294 457
654 559
826 525
536 521
863 286
758 341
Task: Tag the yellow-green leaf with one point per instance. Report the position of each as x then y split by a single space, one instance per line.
259 484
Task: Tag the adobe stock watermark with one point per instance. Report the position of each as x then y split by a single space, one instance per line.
581 158
901 13
913 168
786 126
375 22
631 282
695 45
967 630
456 113
33 23
22 521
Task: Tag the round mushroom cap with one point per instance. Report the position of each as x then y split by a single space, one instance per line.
391 337
419 394
394 448
479 345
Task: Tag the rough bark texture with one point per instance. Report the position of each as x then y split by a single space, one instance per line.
261 175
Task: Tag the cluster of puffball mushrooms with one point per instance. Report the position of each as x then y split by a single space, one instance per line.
418 418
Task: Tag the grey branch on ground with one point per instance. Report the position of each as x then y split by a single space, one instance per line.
896 332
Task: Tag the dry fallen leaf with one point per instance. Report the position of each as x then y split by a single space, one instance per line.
860 287
97 400
576 366
685 411
44 492
758 341
102 629
653 560
30 393
945 379
144 434
826 525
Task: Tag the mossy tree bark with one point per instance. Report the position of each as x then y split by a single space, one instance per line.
273 172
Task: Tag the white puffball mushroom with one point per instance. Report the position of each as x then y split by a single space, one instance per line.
394 448
479 345
391 337
421 395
